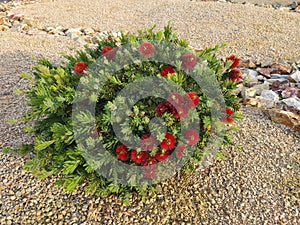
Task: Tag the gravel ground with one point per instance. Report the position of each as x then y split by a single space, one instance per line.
266 2
264 34
258 185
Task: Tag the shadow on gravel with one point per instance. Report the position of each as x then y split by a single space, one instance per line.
12 105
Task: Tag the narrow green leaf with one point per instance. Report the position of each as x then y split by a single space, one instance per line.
18 91
26 76
43 145
70 166
12 121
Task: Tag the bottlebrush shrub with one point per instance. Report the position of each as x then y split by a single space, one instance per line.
94 152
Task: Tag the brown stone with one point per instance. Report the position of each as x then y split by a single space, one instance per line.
196 49
2 9
280 68
252 101
289 119
3 28
18 17
248 63
290 92
277 68
279 86
4 21
266 72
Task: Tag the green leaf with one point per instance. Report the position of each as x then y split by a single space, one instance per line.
159 35
221 155
43 145
27 76
12 121
71 182
7 150
18 91
70 166
42 174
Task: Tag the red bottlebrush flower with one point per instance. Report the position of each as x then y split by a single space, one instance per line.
122 152
235 61
161 155
164 107
79 67
147 49
227 119
191 136
175 113
150 172
229 112
176 99
138 157
194 97
188 61
148 142
167 70
179 151
181 112
108 52
235 75
169 141
150 161
209 130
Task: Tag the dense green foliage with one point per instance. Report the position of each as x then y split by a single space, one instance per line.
56 148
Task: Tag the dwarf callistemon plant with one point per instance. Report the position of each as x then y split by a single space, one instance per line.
130 113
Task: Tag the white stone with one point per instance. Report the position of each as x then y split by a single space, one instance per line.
268 99
250 76
295 77
59 28
9 15
292 102
74 31
28 21
239 89
73 36
261 78
47 29
261 87
248 93
25 27
53 31
88 31
284 8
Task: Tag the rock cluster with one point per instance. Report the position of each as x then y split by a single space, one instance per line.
87 36
293 7
275 89
19 22
16 21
